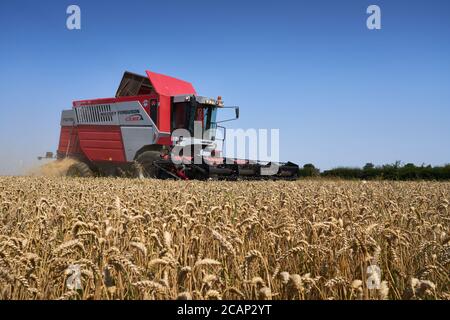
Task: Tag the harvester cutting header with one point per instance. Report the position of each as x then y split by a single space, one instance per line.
133 132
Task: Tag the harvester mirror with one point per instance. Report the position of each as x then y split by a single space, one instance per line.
236 110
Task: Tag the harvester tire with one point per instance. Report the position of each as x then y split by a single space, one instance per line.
145 167
79 169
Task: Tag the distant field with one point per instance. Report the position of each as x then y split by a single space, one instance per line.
63 238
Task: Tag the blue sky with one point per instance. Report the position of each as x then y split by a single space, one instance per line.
339 93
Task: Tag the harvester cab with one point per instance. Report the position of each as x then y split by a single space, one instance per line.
140 129
194 120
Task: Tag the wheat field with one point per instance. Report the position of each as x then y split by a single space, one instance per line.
107 238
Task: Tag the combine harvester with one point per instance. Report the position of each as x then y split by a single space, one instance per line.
132 133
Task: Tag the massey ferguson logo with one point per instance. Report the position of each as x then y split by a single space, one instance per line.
134 117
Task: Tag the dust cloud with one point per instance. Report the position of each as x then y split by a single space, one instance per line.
55 168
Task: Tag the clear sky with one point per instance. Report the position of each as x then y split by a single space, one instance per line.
339 93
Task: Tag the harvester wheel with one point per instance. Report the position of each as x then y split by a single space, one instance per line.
79 169
144 164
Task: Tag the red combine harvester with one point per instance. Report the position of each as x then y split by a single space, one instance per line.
132 133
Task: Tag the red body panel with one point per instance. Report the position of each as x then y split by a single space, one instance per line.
102 143
164 114
169 86
68 138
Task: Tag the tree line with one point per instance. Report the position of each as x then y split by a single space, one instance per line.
395 171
